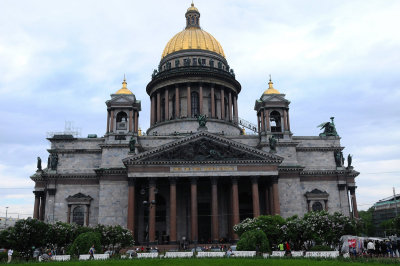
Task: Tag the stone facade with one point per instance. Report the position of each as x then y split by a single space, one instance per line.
186 181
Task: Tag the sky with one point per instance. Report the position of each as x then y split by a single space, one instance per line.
61 60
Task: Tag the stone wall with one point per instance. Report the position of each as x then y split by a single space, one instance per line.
113 202
58 211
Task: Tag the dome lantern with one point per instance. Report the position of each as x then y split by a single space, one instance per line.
192 17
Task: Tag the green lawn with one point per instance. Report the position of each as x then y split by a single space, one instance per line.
225 261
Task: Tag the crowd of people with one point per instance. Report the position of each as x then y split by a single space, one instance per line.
370 246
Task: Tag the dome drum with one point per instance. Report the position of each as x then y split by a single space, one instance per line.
188 126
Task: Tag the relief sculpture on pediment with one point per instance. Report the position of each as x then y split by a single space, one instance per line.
203 150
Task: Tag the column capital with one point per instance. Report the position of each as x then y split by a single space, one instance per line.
352 189
234 179
254 179
152 181
172 180
214 180
131 181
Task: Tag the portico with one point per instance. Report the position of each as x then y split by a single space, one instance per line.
210 191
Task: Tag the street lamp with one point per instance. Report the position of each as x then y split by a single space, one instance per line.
148 205
5 224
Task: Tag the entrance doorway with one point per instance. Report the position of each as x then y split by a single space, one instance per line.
204 222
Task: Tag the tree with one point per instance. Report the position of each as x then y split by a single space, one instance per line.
367 226
114 237
271 225
84 242
61 235
253 240
28 234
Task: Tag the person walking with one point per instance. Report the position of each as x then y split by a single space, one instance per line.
91 252
10 253
288 252
371 248
280 247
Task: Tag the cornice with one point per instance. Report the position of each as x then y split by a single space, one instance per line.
74 150
116 145
344 172
111 171
319 148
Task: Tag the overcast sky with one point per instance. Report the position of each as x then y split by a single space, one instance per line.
61 60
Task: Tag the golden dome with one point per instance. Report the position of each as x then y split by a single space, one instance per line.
271 89
193 38
192 8
124 89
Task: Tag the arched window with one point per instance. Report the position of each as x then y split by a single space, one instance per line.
317 206
195 104
173 107
163 109
122 120
78 215
275 118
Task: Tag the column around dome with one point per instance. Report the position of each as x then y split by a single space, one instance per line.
189 107
166 104
230 106
222 104
212 101
158 107
201 98
177 102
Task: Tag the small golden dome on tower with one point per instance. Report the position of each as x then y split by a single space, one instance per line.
124 89
192 8
193 37
271 89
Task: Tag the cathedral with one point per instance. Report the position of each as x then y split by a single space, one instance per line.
195 172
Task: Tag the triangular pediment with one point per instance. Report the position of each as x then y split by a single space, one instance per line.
203 147
274 98
122 99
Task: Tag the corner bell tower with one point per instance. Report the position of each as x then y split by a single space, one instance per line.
273 114
122 114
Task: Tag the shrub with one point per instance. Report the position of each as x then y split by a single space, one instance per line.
83 243
321 248
250 240
3 256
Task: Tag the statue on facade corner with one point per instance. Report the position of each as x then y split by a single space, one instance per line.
132 143
338 158
349 160
39 164
53 161
272 143
329 129
202 119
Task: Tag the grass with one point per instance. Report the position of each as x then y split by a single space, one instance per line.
225 261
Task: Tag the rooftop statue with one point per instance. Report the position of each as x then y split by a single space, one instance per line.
132 143
202 119
349 160
39 164
329 129
272 143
